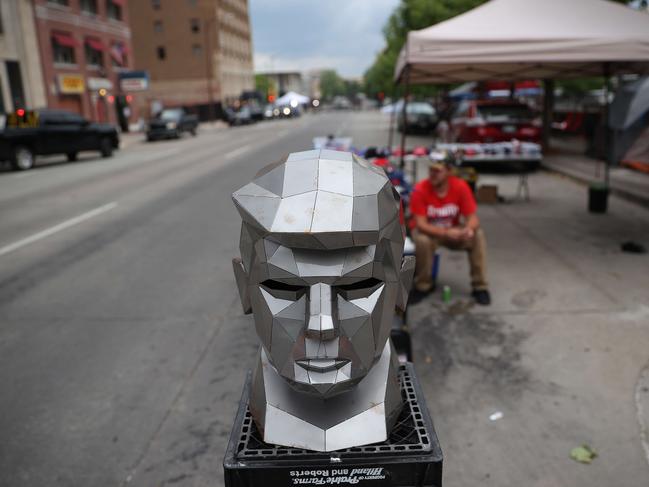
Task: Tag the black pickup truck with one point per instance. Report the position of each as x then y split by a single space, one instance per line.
30 133
171 123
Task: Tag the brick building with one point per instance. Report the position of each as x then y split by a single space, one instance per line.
196 52
84 46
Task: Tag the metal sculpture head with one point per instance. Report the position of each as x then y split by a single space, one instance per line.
321 266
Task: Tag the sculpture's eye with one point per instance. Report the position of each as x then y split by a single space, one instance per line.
282 290
359 289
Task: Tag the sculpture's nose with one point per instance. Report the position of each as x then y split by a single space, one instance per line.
320 325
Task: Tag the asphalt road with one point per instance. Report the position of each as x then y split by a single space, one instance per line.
116 290
123 348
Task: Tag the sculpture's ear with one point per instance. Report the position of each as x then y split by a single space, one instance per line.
406 275
241 277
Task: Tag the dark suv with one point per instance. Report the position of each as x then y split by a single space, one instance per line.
28 133
171 123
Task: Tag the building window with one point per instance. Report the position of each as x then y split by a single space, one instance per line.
197 49
157 26
63 3
155 4
118 55
162 52
94 53
195 25
113 10
89 6
63 48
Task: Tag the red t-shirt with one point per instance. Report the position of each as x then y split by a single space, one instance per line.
442 212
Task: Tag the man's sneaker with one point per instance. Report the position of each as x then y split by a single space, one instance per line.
416 296
481 297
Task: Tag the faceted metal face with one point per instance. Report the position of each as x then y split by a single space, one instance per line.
321 267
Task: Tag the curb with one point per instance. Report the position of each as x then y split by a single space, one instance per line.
129 139
642 408
632 197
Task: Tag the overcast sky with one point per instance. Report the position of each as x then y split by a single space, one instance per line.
307 34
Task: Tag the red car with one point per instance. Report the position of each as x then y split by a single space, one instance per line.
476 121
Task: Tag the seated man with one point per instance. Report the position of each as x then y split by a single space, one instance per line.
444 213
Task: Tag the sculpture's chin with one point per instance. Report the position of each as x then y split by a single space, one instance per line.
324 390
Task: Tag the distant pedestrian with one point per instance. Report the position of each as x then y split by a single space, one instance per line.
444 214
443 130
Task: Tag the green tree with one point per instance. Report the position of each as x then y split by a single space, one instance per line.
265 85
331 84
409 15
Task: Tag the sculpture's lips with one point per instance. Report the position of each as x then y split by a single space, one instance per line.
322 364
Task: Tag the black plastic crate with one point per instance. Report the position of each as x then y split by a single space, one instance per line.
410 457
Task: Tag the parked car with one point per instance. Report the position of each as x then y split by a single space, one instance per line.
271 112
242 116
341 103
420 117
30 133
256 112
487 121
288 111
171 123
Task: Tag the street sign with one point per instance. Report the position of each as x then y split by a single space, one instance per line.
71 84
99 84
134 81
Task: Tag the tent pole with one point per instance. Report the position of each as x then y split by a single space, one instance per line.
404 123
390 133
548 107
607 132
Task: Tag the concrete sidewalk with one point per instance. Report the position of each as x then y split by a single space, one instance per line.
629 184
562 353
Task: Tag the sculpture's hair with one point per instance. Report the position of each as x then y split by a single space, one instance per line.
318 199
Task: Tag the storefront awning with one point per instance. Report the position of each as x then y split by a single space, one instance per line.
96 44
64 39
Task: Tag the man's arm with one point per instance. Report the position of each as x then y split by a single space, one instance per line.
472 222
421 223
455 234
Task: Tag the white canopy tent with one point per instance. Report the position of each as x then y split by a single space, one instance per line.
294 97
523 39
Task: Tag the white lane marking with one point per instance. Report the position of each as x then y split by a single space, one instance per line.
237 152
57 228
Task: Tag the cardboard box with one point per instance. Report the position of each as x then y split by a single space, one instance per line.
487 193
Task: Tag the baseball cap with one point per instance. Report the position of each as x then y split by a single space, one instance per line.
439 159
